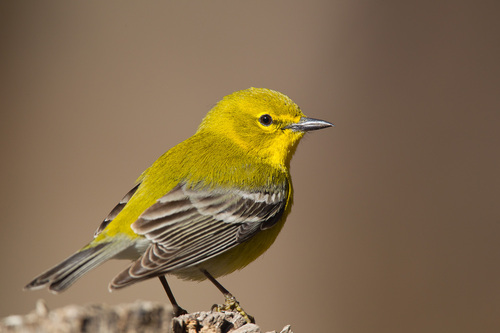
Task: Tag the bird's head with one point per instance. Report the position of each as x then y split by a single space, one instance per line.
261 121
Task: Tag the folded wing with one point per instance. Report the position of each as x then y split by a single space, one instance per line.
188 226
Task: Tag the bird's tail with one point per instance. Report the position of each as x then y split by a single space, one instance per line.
63 275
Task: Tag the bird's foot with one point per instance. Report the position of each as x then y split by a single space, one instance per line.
178 311
231 304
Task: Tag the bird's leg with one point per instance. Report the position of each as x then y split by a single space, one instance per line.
231 304
177 309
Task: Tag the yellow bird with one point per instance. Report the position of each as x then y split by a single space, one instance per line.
208 206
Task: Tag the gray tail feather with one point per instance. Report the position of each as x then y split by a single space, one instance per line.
63 275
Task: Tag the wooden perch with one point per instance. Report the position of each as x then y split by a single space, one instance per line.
141 316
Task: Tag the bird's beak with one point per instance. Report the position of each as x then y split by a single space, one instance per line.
308 124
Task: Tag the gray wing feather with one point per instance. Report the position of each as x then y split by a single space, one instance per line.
116 210
188 226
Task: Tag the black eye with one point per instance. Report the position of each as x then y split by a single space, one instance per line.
266 120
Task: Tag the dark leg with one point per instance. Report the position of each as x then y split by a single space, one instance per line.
177 309
219 286
231 303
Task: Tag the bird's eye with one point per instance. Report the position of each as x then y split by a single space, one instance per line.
266 120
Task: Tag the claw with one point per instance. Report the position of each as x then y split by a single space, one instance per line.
231 304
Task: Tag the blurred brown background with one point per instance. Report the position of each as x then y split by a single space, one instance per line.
396 224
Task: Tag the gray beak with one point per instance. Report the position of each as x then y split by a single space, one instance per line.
308 124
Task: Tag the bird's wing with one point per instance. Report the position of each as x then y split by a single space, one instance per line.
118 208
188 226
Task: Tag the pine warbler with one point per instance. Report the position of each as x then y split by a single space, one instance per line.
208 206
